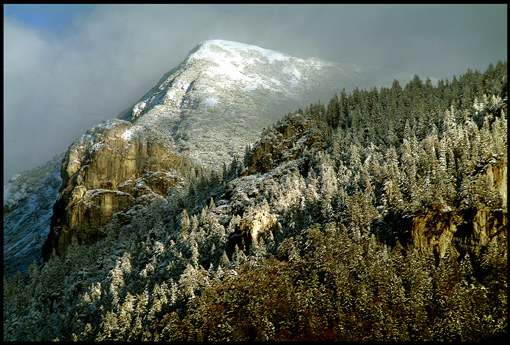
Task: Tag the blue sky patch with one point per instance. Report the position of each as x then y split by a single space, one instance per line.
54 17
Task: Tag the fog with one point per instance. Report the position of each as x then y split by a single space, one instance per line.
59 83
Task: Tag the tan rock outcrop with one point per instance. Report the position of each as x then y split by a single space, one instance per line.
257 225
106 171
467 230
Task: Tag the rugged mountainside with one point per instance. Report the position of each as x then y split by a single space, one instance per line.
28 206
470 230
381 216
435 229
208 109
105 172
234 90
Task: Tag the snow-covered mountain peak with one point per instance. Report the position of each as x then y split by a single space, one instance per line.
230 64
221 50
228 87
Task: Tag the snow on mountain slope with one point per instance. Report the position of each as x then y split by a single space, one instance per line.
207 109
28 206
224 93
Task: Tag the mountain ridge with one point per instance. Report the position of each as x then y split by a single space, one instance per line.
232 89
379 216
252 82
28 206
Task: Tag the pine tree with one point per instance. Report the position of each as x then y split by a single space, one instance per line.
185 222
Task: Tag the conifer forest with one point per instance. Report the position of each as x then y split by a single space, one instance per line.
377 215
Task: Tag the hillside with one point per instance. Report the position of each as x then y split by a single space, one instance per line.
378 216
28 207
201 114
233 90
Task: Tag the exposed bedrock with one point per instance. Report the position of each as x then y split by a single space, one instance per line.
108 170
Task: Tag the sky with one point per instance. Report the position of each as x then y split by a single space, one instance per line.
69 67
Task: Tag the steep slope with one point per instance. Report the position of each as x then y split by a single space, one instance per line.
28 206
437 227
104 172
311 238
207 109
232 90
469 230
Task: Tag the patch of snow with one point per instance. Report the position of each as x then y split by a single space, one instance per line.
95 192
294 83
210 102
273 56
7 192
275 81
127 135
125 183
138 108
292 71
234 48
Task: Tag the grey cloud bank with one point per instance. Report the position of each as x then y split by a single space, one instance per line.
57 85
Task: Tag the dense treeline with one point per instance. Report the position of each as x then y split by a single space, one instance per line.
334 260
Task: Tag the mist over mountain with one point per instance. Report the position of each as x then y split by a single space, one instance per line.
229 87
251 195
61 82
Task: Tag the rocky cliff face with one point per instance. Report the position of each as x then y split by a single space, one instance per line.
286 143
108 170
466 231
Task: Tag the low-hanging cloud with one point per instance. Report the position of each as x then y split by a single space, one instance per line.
57 85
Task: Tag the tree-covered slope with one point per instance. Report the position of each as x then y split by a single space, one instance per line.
379 216
203 112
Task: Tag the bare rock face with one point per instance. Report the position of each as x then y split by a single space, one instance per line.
465 231
288 142
107 170
256 225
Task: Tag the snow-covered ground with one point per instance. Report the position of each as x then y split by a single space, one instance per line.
28 207
224 93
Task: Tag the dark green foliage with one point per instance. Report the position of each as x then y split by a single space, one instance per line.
345 182
331 292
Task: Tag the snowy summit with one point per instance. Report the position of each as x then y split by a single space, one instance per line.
224 93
